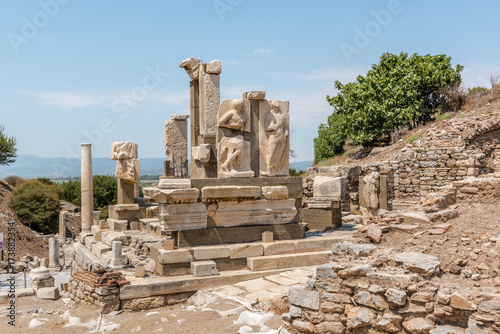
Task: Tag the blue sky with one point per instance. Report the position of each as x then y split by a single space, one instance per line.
67 65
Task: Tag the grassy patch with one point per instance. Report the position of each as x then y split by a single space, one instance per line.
337 158
443 116
413 138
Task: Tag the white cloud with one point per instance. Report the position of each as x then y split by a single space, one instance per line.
71 99
264 51
80 99
344 74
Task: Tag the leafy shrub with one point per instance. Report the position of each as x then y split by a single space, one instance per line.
105 191
13 180
37 205
451 98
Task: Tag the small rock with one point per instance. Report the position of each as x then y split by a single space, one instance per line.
454 269
418 325
303 326
360 317
374 233
459 302
397 297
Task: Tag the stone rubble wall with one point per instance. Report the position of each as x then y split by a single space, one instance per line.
99 290
388 293
461 148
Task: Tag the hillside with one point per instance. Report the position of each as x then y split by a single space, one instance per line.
27 242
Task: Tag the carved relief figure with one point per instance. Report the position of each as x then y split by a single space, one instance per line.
277 139
234 118
234 157
370 190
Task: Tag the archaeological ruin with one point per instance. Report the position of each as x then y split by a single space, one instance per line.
226 210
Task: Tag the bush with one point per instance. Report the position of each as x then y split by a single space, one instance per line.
105 191
400 91
14 180
331 139
451 98
71 192
37 205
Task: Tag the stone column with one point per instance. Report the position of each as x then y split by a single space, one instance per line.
62 225
116 256
176 149
53 253
87 189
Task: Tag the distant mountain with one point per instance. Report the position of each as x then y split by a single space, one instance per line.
28 166
301 165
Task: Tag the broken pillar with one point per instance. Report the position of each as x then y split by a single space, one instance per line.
53 253
62 225
204 104
87 195
116 256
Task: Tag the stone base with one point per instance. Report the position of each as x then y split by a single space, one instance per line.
204 268
239 234
322 219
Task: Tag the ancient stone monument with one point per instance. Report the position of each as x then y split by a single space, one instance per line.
176 149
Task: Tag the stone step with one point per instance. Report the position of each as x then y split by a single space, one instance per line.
117 225
100 248
158 286
285 261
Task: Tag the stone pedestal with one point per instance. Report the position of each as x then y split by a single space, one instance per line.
126 191
116 256
87 196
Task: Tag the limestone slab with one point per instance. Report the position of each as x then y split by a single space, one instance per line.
288 260
239 251
274 192
255 95
229 193
245 213
327 187
186 195
209 101
183 216
213 252
117 225
299 296
279 247
51 293
174 256
100 248
109 237
204 268
233 157
174 183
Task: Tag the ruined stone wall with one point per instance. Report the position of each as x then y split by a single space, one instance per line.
387 293
446 152
99 290
462 147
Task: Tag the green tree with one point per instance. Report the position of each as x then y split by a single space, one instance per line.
400 91
71 192
105 191
37 205
8 150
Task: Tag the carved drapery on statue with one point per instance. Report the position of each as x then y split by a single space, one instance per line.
274 137
370 190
